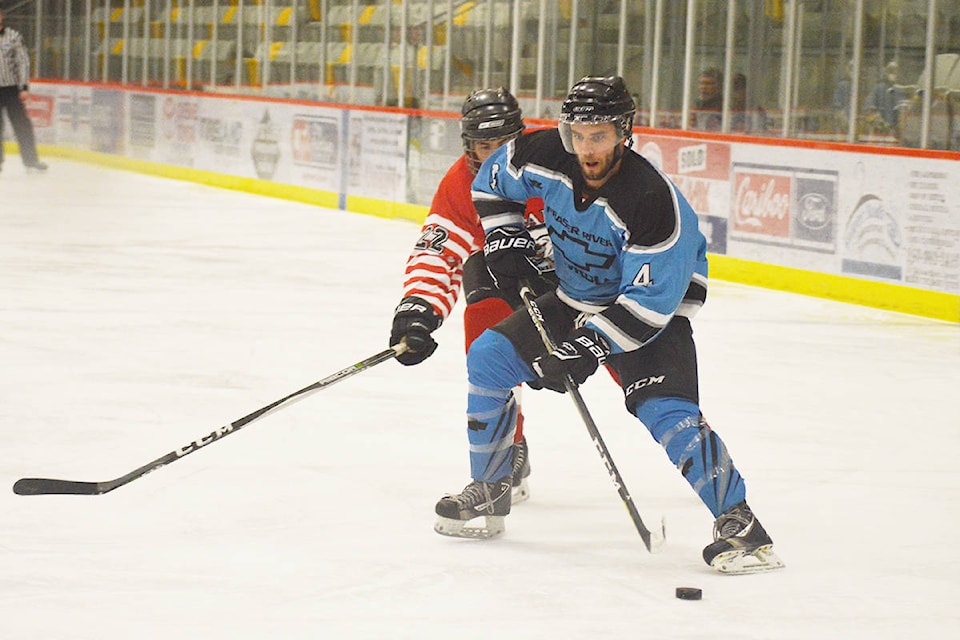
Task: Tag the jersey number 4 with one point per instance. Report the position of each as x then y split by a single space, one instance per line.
643 278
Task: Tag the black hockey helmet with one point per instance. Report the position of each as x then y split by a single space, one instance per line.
597 99
488 114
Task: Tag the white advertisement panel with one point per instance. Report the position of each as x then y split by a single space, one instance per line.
142 127
885 217
905 223
224 136
891 217
178 124
378 155
41 108
317 145
71 114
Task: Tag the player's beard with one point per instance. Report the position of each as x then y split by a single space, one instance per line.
602 167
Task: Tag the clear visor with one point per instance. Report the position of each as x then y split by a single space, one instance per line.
589 134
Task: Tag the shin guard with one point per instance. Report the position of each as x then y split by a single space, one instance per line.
696 450
493 369
491 423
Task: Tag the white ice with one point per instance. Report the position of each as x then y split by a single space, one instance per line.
138 314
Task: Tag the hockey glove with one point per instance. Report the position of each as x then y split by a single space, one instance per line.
511 254
413 321
578 356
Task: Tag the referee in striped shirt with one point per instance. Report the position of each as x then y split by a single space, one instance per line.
14 84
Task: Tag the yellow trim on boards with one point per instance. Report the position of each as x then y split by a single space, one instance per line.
880 295
387 208
320 198
870 293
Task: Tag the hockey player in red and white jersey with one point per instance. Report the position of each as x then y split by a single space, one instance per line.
449 257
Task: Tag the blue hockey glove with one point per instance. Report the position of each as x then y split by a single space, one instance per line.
511 254
578 356
413 321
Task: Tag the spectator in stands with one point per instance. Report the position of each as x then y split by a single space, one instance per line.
738 101
638 117
742 117
886 96
841 97
708 113
14 85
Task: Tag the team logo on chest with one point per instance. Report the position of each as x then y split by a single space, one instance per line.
581 253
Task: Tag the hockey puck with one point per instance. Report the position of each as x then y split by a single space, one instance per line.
689 593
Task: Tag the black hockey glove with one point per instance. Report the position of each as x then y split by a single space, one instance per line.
579 356
511 254
413 321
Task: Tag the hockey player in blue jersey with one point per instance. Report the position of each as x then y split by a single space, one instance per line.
632 267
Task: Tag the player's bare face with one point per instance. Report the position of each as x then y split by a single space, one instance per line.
596 149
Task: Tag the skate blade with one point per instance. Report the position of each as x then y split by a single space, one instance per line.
520 492
737 562
494 526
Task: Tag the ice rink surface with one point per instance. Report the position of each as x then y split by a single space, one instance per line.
138 314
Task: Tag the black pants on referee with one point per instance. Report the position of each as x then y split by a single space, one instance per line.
22 127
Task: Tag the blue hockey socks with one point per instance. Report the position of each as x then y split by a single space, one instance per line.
697 451
493 369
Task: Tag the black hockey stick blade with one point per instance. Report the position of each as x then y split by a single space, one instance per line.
52 486
40 486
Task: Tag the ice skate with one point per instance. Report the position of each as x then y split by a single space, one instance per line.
521 470
489 500
740 544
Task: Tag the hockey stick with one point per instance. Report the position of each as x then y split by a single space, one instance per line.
40 486
649 542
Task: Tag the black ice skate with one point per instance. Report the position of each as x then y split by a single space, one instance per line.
490 500
521 470
740 544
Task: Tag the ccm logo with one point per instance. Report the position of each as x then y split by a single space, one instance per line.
202 442
644 382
